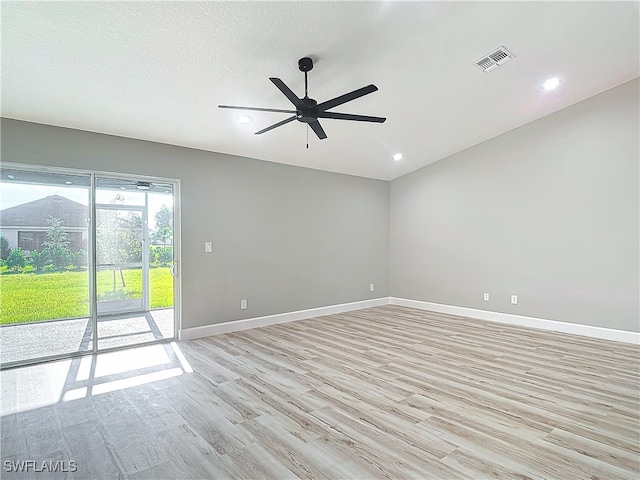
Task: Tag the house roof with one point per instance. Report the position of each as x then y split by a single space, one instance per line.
36 213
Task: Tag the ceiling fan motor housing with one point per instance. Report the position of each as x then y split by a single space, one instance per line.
309 112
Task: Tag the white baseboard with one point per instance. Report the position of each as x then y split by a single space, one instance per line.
553 325
237 325
532 322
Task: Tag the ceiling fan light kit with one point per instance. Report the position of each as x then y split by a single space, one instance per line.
307 110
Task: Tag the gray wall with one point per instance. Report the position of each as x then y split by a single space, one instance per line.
548 211
285 238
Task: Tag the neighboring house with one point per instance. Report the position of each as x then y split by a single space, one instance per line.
26 225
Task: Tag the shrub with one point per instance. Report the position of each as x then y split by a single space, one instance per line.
16 259
39 259
153 255
49 268
28 269
79 258
58 256
165 255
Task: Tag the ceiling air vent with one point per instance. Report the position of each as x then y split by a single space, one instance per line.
494 59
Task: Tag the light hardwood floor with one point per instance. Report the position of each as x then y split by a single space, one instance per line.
385 392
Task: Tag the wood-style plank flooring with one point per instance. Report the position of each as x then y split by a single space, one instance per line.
386 392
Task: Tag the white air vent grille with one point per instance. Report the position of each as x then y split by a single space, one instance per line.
487 64
498 57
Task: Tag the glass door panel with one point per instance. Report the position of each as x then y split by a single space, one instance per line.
160 201
44 267
121 278
134 255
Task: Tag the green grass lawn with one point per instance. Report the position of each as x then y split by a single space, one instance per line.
31 297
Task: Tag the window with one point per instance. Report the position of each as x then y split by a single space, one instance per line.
29 241
34 240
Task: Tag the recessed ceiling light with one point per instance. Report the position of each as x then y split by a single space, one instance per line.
398 156
68 183
244 119
551 84
11 177
123 188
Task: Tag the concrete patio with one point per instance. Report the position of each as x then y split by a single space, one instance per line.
25 341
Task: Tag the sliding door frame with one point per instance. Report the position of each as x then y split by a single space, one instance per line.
92 257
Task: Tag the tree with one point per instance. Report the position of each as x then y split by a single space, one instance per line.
163 232
119 237
57 245
4 248
130 227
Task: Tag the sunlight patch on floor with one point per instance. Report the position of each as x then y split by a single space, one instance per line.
32 387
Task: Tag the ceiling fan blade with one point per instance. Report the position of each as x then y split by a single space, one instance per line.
275 125
257 109
350 116
287 92
347 97
316 127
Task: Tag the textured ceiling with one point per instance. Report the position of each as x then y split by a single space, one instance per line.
157 71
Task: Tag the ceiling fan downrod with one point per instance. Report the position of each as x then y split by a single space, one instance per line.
305 65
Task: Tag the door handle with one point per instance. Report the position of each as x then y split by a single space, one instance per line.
174 270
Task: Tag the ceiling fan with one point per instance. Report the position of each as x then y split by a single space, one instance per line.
308 110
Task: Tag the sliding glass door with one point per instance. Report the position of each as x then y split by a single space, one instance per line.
87 263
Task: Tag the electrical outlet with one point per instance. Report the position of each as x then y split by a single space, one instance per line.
208 247
486 297
514 299
371 287
243 304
